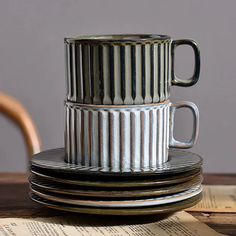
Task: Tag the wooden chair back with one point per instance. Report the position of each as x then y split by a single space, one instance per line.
16 112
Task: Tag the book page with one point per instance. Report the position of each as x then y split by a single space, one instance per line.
179 224
217 198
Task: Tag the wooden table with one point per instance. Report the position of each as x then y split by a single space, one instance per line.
15 202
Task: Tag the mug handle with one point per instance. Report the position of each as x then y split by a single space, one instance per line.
193 108
193 80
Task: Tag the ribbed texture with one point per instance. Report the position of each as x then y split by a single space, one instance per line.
117 139
118 74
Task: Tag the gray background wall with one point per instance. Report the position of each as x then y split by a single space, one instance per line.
32 65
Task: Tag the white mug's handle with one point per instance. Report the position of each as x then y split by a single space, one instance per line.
193 108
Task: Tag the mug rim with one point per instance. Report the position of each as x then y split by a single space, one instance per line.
118 107
117 38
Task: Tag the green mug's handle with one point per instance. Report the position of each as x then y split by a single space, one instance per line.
193 80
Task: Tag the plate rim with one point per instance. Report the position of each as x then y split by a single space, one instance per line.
126 203
122 193
120 183
73 168
167 208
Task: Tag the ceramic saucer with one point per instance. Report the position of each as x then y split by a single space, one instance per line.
95 202
179 161
75 190
115 181
162 209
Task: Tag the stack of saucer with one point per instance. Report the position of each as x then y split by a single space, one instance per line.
118 157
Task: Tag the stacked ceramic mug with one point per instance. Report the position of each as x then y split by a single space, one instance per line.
118 114
119 130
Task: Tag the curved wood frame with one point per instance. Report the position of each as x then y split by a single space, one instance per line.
14 110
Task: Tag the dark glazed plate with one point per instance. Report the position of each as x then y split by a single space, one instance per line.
117 203
179 161
114 181
154 210
75 190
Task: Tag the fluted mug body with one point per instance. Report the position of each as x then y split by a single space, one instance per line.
123 138
123 69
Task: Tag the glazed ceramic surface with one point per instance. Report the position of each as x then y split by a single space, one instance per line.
119 181
75 190
123 138
153 210
96 202
54 159
124 69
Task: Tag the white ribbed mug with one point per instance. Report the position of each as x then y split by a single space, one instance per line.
123 138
